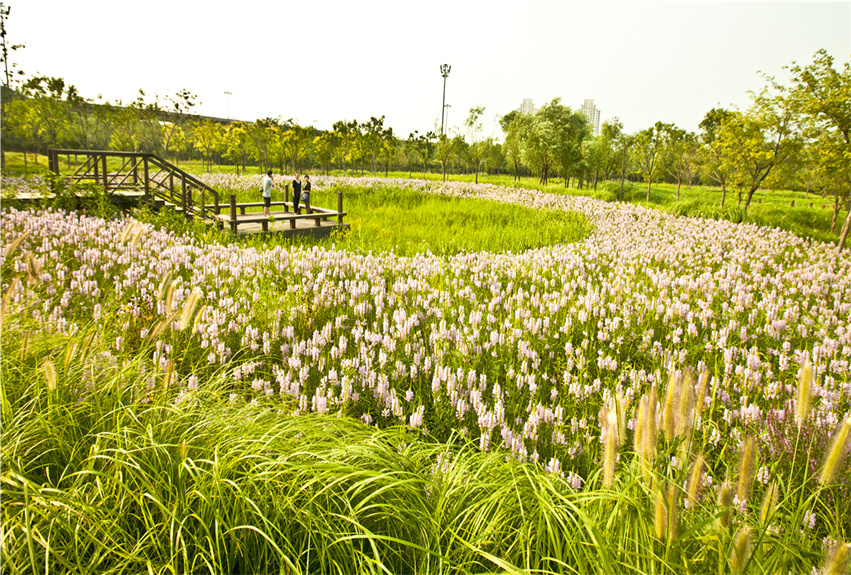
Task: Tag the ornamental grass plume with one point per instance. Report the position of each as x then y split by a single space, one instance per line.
769 502
666 514
70 353
645 432
189 308
49 374
725 500
128 229
741 549
163 287
685 405
838 560
11 248
695 477
198 317
805 384
836 452
4 306
702 386
610 447
746 469
669 412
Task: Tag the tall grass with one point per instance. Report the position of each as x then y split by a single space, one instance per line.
111 467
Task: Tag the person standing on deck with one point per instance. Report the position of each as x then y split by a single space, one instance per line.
305 191
267 193
296 192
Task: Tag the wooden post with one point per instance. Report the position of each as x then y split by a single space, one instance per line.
190 204
134 165
233 213
216 199
147 177
105 175
171 185
793 203
96 167
340 208
183 198
286 197
308 210
811 204
265 225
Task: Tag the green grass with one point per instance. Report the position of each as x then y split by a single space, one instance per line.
110 471
408 222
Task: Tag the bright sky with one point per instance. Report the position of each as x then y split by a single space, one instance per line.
319 61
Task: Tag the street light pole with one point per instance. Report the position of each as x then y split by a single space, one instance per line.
444 71
445 107
228 94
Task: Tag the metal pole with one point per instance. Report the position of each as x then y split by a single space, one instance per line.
443 109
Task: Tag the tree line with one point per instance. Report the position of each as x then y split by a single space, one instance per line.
795 136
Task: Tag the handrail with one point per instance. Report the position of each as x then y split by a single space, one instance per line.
161 184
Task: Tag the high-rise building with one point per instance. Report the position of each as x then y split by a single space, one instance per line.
528 106
593 114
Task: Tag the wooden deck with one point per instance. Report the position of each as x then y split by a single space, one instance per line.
283 225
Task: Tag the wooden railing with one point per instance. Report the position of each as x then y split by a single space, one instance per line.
142 172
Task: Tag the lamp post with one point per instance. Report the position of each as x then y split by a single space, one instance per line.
444 71
445 107
228 94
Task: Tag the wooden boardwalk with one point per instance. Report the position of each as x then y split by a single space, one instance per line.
143 177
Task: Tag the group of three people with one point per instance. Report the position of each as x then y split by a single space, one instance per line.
301 192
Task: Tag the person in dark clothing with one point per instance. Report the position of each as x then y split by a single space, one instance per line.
305 190
296 192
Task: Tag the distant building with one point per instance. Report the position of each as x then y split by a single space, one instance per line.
528 106
593 114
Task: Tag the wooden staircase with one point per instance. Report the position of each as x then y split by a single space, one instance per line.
157 180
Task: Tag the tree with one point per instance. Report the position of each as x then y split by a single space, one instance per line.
647 152
206 136
446 148
715 163
541 141
259 137
295 141
571 131
389 149
50 106
623 146
757 141
514 125
181 103
372 134
473 125
411 152
823 96
325 146
680 151
425 147
232 144
347 134
6 48
600 151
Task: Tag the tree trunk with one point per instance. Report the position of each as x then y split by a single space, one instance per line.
444 171
649 182
678 190
596 174
844 234
723 192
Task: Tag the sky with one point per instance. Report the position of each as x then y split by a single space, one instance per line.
320 61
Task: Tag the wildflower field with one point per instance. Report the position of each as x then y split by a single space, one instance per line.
663 394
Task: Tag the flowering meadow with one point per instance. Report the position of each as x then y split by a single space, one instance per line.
666 394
